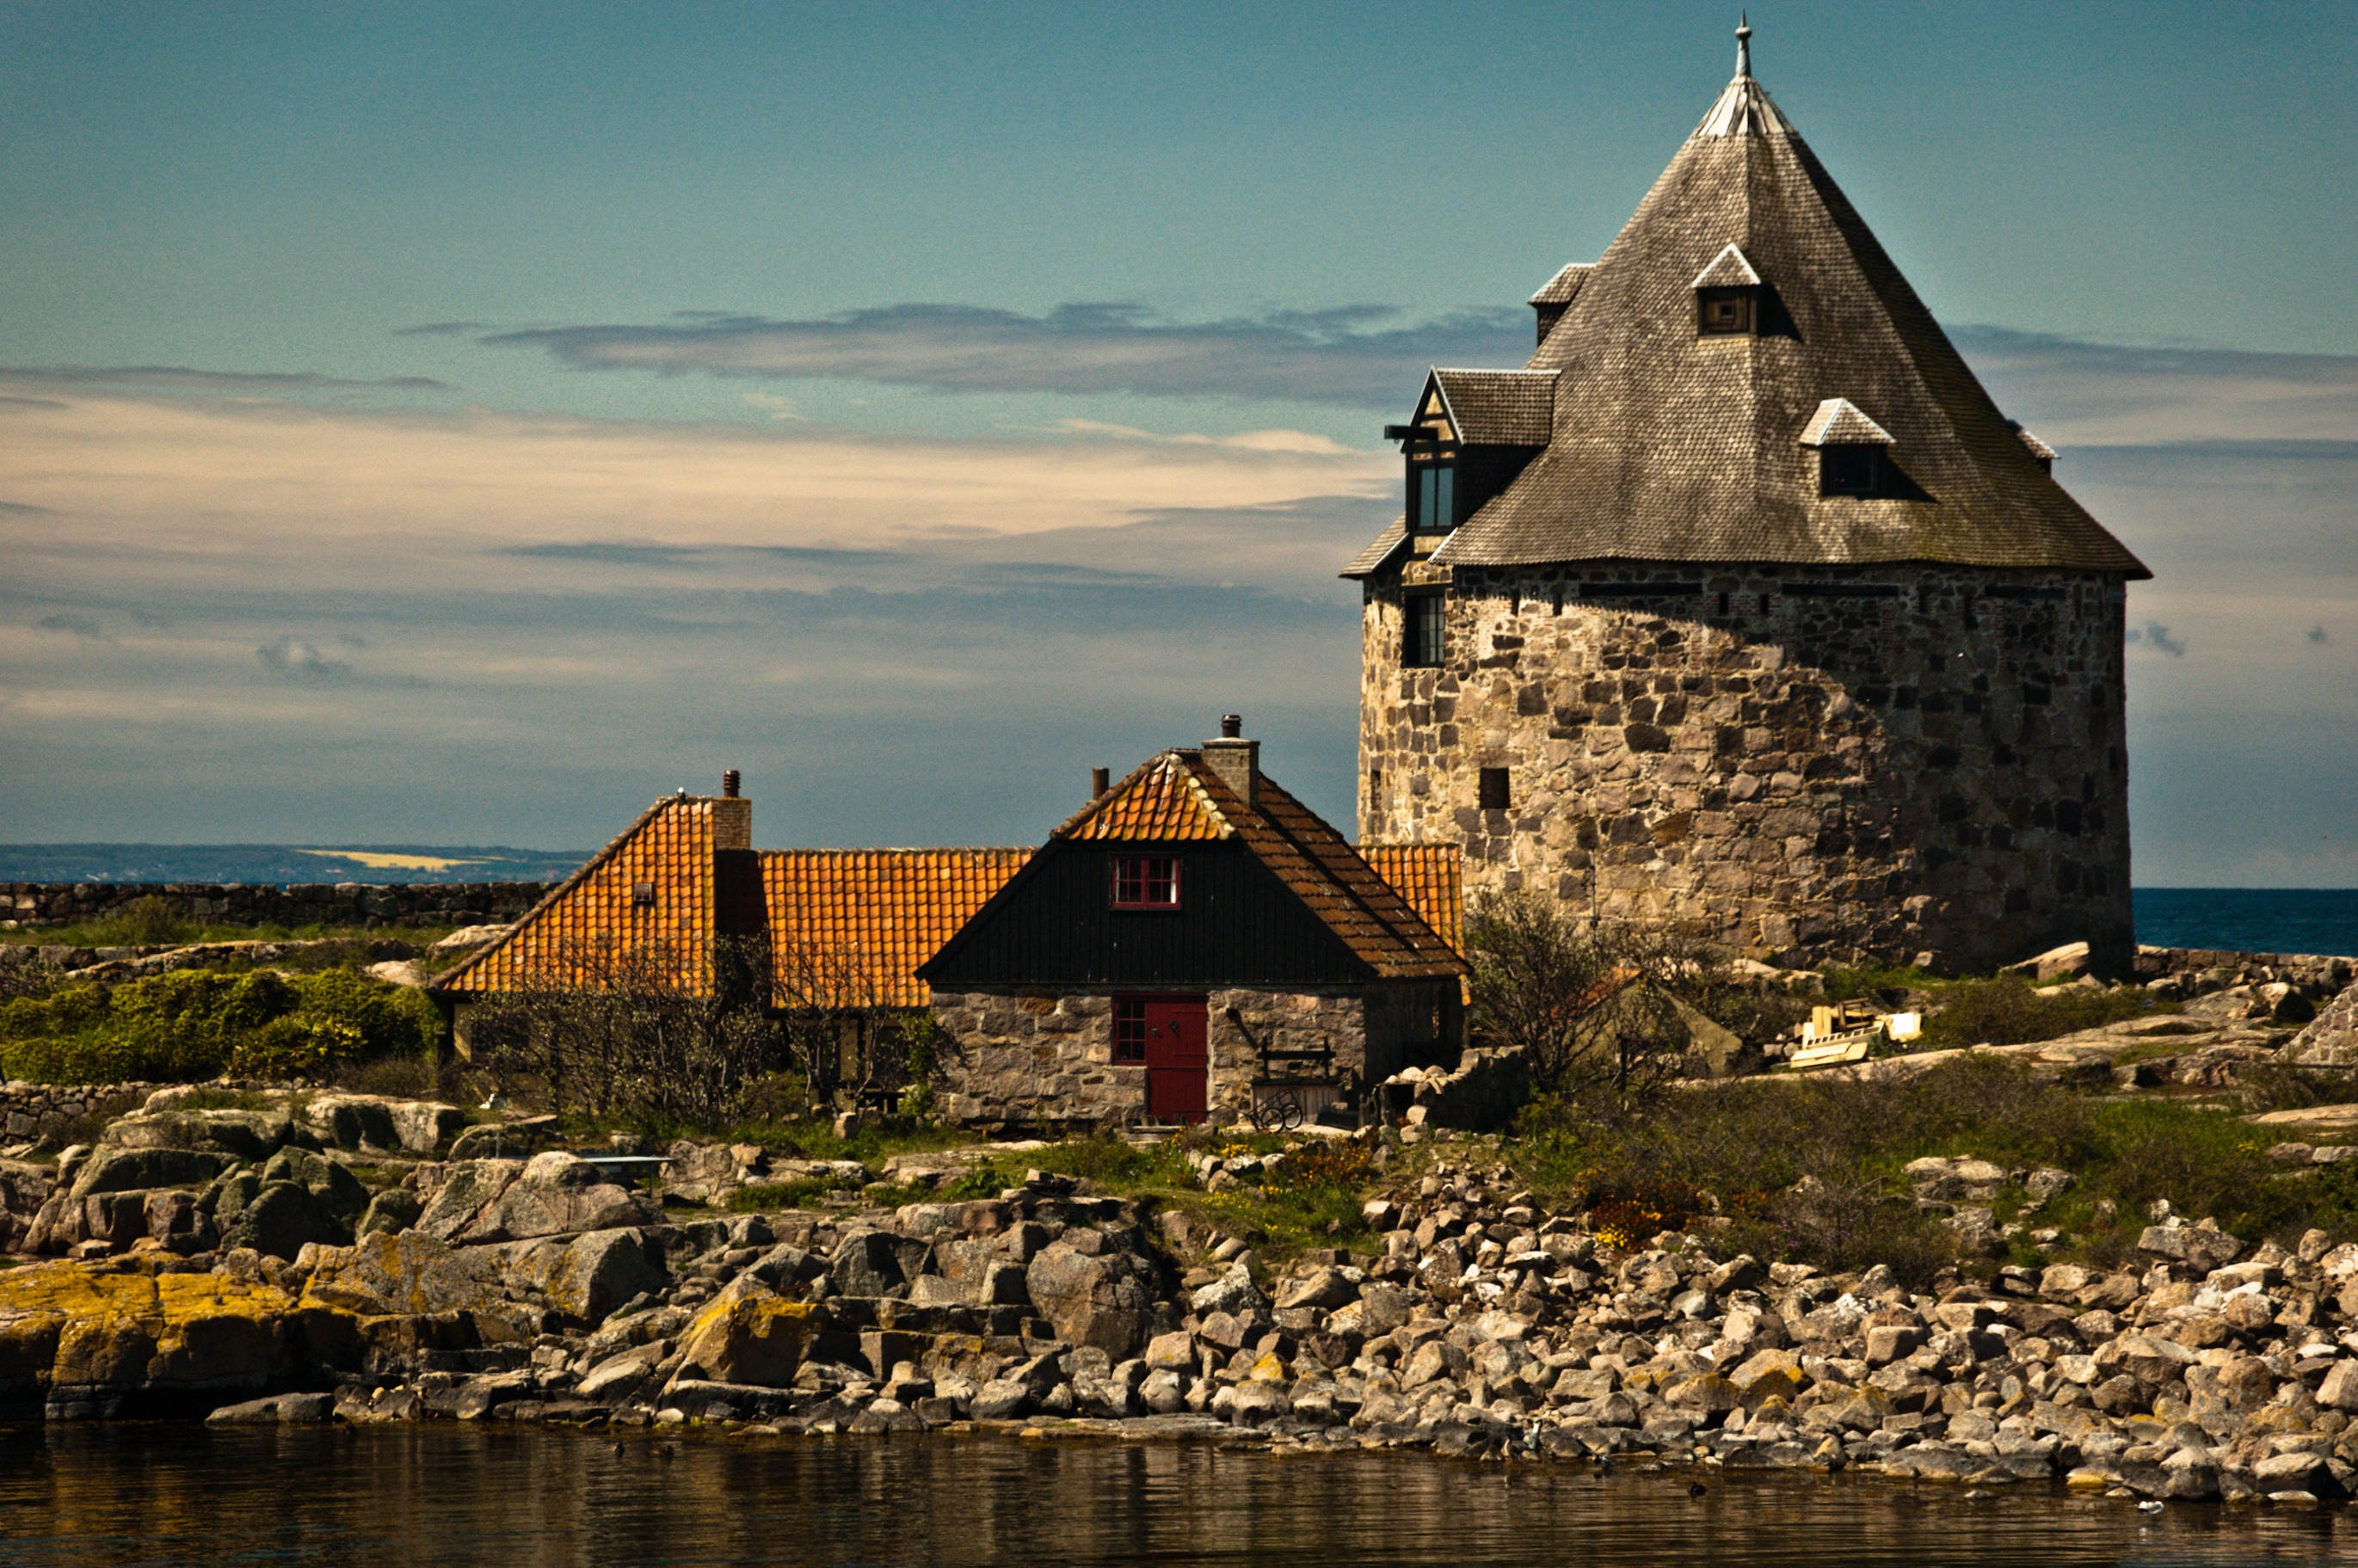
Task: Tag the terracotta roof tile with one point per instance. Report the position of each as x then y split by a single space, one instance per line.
1431 877
1161 802
1175 796
849 927
593 918
863 918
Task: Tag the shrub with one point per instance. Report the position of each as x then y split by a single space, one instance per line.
2007 1011
193 1024
150 922
294 1046
1597 1012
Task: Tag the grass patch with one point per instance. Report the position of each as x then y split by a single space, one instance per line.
1811 1170
2010 1011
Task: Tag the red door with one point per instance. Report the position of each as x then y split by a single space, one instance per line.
1178 1061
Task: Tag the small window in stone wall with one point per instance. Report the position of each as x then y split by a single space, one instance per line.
1129 1029
1492 789
1423 630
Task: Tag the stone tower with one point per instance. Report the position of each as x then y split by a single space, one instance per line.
1742 609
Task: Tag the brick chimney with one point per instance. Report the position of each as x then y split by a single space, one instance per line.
733 816
1236 760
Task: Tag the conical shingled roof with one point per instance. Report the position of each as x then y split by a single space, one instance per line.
1672 446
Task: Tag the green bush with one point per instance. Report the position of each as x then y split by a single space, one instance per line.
193 1024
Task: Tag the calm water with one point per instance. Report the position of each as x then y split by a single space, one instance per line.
530 1497
2250 920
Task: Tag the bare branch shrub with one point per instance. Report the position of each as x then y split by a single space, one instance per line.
636 1033
1600 1012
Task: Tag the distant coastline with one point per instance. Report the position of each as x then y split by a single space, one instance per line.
285 864
2246 920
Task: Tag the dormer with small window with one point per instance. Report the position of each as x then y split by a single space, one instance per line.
1728 302
1854 452
1473 432
1556 295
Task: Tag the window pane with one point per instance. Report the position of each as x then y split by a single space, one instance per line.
1424 497
1443 514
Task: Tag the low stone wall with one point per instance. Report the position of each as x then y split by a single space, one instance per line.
301 904
38 1113
2315 974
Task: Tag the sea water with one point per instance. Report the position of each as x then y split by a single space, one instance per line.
536 1498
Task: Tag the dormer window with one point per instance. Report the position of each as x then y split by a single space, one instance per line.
1431 495
1727 297
1721 312
1853 449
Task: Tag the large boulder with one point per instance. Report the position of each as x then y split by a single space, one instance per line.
587 1276
748 1334
394 1208
553 1194
239 1134
335 1189
877 1263
66 1326
356 1121
465 1195
124 1170
507 1140
410 1273
1104 1299
281 1220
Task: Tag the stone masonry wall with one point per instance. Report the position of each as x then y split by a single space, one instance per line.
240 903
1802 763
1046 1060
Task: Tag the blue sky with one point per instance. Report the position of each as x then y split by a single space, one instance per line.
459 423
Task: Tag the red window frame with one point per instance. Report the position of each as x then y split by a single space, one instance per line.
1145 883
1130 1029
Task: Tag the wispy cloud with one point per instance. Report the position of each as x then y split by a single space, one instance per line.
1354 355
297 660
2082 394
2155 636
183 378
74 625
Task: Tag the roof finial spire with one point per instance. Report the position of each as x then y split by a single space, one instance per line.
1743 44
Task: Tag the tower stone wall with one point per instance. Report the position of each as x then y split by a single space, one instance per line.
1804 763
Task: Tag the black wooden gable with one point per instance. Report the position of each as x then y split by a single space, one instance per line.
1054 924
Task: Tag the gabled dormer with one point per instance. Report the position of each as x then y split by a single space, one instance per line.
1556 295
1728 297
1854 452
1473 432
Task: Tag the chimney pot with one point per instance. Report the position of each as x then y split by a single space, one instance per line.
1236 760
1100 780
731 783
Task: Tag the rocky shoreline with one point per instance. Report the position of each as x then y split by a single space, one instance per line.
543 1290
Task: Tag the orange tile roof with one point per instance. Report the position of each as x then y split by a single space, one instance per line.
591 924
849 927
1431 878
1161 801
